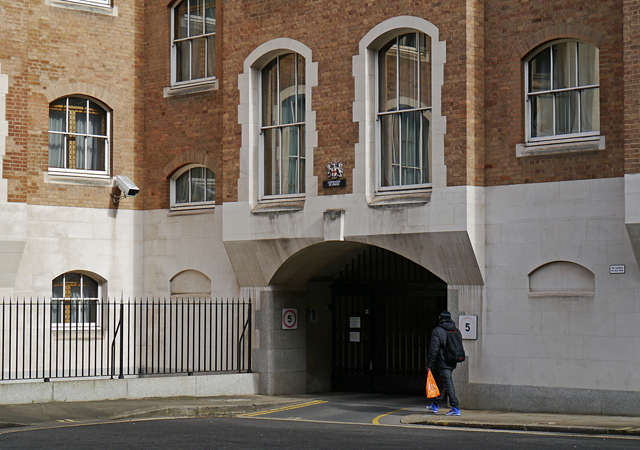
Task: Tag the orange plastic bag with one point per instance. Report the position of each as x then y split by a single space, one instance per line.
432 387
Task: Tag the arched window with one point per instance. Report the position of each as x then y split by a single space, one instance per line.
78 136
283 125
563 91
193 37
194 186
404 110
74 299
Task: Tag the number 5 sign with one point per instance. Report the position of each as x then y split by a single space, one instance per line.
469 327
289 319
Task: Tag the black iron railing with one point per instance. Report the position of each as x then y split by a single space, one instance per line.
42 339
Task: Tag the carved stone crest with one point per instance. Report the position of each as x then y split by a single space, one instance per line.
334 170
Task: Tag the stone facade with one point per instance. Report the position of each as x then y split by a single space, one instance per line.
523 237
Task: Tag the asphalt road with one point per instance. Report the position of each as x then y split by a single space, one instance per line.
284 434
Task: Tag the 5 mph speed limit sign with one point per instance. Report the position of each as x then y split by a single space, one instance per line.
469 327
290 319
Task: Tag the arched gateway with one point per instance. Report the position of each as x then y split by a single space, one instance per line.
365 318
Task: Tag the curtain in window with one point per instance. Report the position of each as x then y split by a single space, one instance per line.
283 114
404 110
74 299
56 141
563 94
182 188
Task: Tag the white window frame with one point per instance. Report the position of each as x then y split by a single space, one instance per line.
280 126
107 151
397 112
174 52
102 3
189 205
78 325
555 138
249 113
365 107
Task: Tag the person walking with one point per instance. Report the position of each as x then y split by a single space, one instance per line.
443 367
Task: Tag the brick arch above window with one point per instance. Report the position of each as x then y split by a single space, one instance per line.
578 31
204 159
82 89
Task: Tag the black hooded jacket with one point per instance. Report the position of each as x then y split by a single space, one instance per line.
437 343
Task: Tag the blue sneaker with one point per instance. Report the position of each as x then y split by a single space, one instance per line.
432 408
454 411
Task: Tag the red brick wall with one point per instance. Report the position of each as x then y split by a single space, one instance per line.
332 30
186 124
47 49
511 30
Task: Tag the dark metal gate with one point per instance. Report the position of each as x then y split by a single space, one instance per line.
384 308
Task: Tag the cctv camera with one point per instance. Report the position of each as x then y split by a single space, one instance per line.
126 186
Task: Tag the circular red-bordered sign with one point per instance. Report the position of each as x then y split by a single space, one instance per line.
289 319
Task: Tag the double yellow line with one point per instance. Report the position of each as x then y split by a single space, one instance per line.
284 408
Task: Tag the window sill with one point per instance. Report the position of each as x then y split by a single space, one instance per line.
561 294
195 88
75 332
590 144
77 179
390 199
107 10
209 209
279 206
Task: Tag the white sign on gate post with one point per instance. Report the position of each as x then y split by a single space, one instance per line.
289 319
468 327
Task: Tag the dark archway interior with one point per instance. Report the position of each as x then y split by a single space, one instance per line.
384 308
370 313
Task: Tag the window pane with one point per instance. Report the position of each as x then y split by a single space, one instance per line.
182 188
288 88
588 64
389 133
301 88
180 21
58 287
210 16
90 287
56 150
564 65
426 146
410 134
195 18
183 60
387 77
590 110
566 112
541 115
425 70
290 141
56 311
72 286
211 186
197 184
97 120
408 67
270 94
211 56
197 58
302 160
271 162
540 71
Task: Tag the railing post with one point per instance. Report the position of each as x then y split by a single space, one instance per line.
121 376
